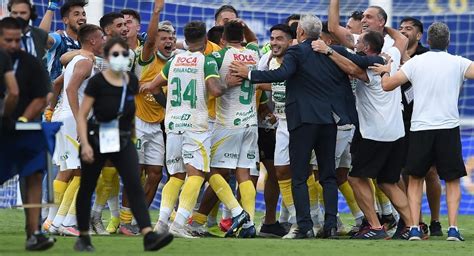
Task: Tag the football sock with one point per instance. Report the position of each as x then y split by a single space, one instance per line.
224 193
247 195
188 199
169 196
113 200
348 194
59 188
71 219
68 197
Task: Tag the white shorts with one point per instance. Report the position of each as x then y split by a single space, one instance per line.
282 146
193 148
66 152
343 145
234 148
150 143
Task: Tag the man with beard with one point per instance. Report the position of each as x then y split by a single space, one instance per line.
31 102
413 29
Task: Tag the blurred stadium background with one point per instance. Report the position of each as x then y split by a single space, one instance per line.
260 15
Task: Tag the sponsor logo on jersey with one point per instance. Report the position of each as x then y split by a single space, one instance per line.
186 61
185 117
231 155
244 58
251 155
279 96
237 121
173 161
171 126
188 155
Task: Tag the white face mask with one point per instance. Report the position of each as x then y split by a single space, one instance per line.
119 63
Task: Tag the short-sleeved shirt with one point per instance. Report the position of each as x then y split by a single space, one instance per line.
5 66
236 108
62 44
436 77
107 99
380 112
148 109
186 106
28 67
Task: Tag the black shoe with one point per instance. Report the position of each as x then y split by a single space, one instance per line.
237 222
435 228
388 221
330 233
83 244
424 228
272 230
39 242
371 234
402 231
154 241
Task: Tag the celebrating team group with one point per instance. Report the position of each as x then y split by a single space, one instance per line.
363 108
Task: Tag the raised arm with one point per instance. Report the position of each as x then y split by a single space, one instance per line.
149 46
401 41
82 70
249 35
342 34
47 20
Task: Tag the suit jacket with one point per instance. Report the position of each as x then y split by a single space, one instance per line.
317 90
40 39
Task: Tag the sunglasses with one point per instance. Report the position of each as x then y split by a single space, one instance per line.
124 54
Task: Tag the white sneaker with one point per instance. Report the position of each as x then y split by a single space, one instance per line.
292 233
161 227
53 230
181 232
197 230
98 227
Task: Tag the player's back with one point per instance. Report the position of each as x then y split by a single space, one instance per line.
186 106
64 107
236 107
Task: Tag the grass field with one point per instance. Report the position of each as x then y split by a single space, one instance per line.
12 240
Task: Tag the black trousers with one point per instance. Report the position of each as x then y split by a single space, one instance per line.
126 162
321 138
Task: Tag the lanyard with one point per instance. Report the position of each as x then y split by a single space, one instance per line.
122 100
15 65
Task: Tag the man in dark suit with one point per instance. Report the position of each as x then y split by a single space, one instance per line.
318 98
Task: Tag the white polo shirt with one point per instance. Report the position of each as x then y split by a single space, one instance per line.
380 112
436 77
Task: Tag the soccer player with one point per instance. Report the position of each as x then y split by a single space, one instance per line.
436 77
133 21
73 16
152 56
191 76
377 145
76 76
413 29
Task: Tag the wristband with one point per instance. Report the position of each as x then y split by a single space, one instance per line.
383 73
22 119
53 6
